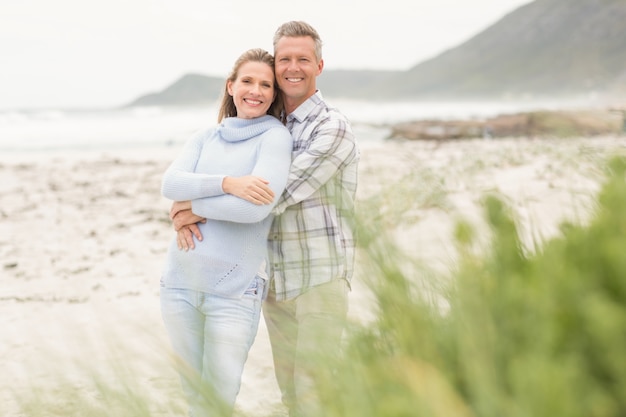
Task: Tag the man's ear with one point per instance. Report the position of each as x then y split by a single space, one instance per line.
320 66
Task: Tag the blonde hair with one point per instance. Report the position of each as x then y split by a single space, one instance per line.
297 29
227 107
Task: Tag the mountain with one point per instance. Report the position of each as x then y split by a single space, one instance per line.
547 48
191 89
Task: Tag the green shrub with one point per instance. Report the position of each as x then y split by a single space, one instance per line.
525 335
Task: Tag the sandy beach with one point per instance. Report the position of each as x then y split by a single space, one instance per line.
83 237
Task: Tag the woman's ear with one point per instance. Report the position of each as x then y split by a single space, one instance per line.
229 87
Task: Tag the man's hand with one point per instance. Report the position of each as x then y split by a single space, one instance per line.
184 237
250 188
186 218
185 224
178 206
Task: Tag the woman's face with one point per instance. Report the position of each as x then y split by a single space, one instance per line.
253 90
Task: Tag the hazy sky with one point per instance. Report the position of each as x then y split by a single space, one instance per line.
77 53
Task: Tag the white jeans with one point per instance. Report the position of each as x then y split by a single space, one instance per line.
211 336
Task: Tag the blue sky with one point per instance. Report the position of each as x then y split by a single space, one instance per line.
93 53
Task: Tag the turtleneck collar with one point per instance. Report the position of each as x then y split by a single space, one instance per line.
235 129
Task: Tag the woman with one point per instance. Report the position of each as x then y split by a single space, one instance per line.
211 296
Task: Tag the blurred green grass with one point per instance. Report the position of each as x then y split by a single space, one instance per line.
540 334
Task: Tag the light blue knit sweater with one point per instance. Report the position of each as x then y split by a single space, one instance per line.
235 235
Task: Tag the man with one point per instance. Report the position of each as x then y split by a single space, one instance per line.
311 244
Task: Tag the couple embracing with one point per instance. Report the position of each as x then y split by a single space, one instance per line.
263 209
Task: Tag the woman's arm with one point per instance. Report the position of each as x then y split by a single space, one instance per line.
181 183
274 159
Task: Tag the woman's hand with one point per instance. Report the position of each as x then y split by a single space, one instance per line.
250 188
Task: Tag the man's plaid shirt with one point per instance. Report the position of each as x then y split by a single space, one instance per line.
311 241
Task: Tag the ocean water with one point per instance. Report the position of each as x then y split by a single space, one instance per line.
57 130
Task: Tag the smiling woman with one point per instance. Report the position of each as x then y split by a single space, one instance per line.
253 90
211 296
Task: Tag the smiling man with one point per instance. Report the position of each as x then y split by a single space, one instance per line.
311 243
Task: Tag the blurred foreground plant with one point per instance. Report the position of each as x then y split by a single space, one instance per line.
525 335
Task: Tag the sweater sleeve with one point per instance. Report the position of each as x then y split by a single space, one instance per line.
272 164
181 183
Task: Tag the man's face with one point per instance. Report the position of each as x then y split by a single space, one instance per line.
296 69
